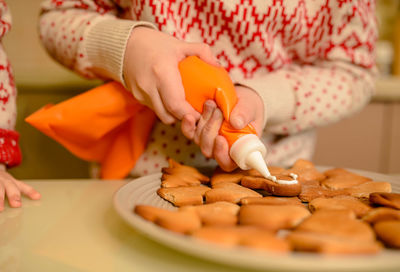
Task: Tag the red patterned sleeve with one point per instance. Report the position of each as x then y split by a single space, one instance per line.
10 153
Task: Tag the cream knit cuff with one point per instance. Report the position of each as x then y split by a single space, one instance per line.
277 95
105 45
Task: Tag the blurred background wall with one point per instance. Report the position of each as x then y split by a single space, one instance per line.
369 140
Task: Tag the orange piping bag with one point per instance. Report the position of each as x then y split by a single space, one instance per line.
105 124
108 125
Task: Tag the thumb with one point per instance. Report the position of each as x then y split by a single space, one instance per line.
242 114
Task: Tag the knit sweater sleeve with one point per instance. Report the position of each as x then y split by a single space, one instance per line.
87 36
10 153
337 83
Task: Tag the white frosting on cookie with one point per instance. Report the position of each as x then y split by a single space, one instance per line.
282 181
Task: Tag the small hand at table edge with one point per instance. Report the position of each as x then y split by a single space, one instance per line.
13 189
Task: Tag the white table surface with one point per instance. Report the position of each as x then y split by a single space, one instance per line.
74 228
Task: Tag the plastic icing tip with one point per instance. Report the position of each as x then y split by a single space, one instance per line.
256 161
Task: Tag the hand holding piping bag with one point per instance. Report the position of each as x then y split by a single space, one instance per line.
248 110
151 72
204 82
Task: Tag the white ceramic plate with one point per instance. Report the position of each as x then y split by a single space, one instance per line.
143 191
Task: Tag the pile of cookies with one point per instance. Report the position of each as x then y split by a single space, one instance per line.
334 212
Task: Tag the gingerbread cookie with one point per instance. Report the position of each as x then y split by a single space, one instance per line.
365 189
337 223
336 172
272 187
223 236
178 180
306 172
330 245
391 200
381 214
216 214
221 176
260 239
273 170
310 192
247 236
150 213
339 178
389 232
177 221
176 168
340 203
180 221
272 217
230 192
271 200
181 196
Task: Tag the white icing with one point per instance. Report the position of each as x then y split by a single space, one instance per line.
273 178
282 181
294 176
248 152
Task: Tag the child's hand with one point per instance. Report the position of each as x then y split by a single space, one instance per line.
249 109
13 188
151 72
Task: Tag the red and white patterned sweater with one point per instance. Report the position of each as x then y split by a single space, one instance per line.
312 62
10 154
